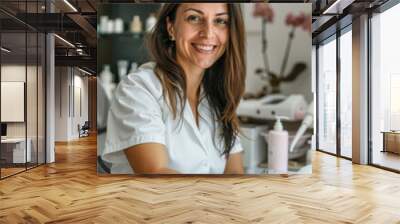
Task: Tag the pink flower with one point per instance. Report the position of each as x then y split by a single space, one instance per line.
302 20
263 10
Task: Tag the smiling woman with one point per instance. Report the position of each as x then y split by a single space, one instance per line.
201 38
198 52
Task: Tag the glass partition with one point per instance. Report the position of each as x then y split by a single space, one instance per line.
385 89
346 93
14 154
327 95
22 76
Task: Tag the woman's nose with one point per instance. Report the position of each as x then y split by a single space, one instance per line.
207 30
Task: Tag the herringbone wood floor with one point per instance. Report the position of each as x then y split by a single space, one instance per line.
70 191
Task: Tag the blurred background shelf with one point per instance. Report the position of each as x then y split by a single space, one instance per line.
128 46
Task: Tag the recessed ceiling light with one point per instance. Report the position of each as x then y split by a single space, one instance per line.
84 71
70 5
5 50
64 40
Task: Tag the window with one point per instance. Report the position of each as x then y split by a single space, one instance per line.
385 86
346 93
327 95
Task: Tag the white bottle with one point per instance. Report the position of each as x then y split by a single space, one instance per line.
150 22
122 68
106 78
110 26
103 24
278 140
118 25
136 25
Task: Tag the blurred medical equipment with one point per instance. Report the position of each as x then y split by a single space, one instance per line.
293 107
254 146
307 122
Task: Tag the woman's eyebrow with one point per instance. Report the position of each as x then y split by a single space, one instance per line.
221 13
200 12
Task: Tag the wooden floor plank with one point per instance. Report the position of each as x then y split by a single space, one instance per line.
70 191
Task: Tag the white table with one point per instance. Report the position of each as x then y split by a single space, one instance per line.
18 148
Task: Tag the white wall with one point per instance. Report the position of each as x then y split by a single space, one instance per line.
61 103
277 35
13 73
80 83
67 115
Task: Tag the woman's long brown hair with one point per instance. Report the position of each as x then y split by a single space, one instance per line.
223 82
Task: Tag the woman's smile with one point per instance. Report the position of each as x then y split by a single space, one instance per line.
204 48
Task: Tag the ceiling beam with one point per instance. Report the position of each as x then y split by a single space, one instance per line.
81 61
89 30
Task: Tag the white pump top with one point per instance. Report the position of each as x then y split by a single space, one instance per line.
278 124
106 76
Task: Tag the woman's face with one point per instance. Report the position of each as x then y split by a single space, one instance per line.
201 33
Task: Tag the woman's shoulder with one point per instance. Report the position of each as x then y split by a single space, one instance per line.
144 78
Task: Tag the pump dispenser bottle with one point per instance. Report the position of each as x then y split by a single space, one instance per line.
106 78
278 140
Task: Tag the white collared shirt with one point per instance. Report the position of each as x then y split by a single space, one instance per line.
139 114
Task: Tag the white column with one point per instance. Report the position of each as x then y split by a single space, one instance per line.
360 90
50 100
50 92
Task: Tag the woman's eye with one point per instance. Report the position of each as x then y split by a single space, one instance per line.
194 19
221 21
